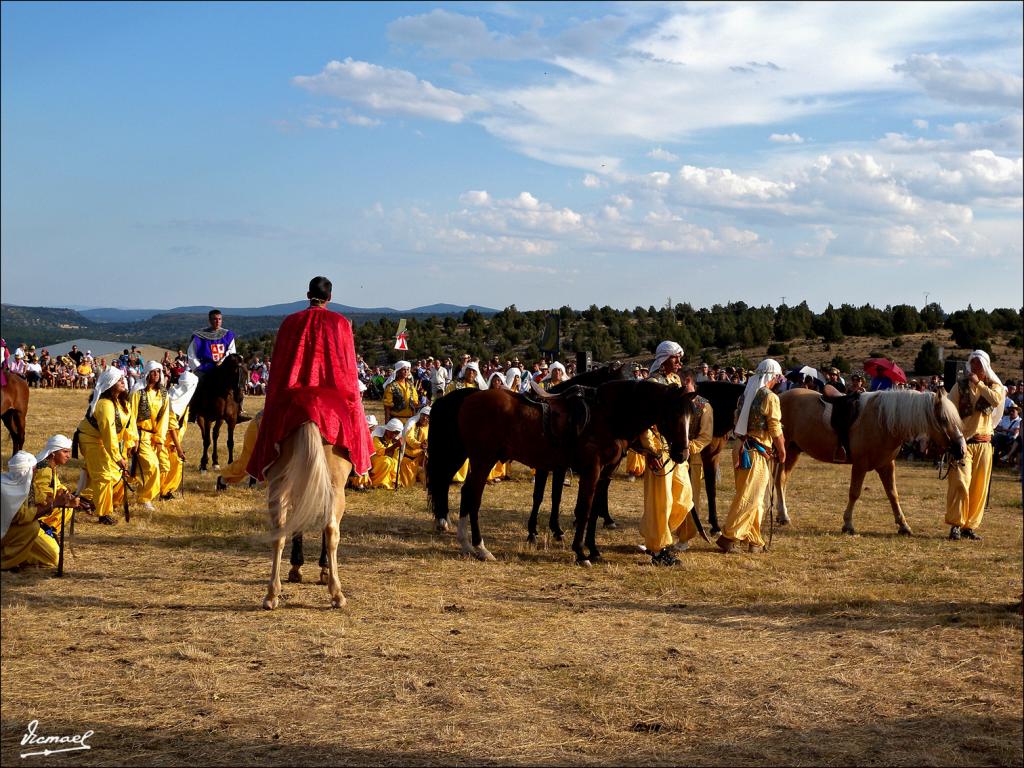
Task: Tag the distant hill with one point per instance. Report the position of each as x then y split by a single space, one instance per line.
171 328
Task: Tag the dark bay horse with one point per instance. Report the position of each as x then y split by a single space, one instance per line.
14 410
612 372
498 425
886 420
214 403
722 396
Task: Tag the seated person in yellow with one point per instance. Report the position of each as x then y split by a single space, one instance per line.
362 482
106 436
46 485
177 421
499 471
469 378
22 541
384 462
400 396
235 473
151 410
414 457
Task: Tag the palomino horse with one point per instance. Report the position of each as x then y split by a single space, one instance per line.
594 378
589 437
886 420
214 402
306 487
14 411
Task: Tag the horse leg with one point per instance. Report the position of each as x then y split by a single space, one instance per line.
277 502
204 425
887 474
584 507
540 479
231 441
856 484
598 505
216 438
296 560
341 467
324 561
472 495
782 478
557 485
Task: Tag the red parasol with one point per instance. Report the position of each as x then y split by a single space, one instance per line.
880 366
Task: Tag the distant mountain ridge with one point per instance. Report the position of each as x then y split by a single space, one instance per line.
50 325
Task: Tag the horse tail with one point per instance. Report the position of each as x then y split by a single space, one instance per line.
446 451
305 482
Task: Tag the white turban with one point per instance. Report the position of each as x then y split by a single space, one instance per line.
765 372
371 420
15 484
425 411
394 425
982 356
664 351
479 376
510 377
104 381
496 375
555 366
181 393
54 444
394 374
151 366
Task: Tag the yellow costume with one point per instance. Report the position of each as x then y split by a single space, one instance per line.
498 472
747 509
400 399
45 485
383 463
150 409
100 439
235 472
967 486
25 543
460 476
636 463
170 481
415 454
702 428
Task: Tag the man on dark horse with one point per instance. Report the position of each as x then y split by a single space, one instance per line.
210 346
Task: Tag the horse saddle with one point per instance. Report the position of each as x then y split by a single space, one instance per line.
840 413
565 415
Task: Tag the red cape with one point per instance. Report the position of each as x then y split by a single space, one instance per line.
313 377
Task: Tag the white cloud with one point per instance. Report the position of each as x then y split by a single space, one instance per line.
362 121
786 138
390 90
662 154
590 181
921 124
951 80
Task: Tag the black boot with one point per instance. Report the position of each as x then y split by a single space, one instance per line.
954 533
967 533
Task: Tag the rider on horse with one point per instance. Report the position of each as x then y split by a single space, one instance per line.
210 346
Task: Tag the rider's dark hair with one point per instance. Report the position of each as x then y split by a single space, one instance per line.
212 312
320 288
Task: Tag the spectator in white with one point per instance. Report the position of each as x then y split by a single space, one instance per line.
33 372
1006 431
16 363
440 377
702 373
514 379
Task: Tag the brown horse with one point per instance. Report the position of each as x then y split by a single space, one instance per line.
14 410
589 435
886 420
214 403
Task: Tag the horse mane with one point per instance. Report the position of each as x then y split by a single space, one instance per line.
908 413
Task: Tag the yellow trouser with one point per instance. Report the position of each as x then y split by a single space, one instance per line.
105 488
170 481
498 471
382 471
460 476
235 472
411 469
667 502
359 481
152 463
747 509
636 463
42 550
967 487
696 478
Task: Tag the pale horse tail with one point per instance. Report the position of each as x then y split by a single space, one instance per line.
300 485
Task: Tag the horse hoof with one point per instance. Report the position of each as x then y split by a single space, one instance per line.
557 537
202 470
483 555
779 521
905 531
216 466
294 575
531 539
715 530
584 563
338 602
596 558
325 574
269 603
442 525
849 529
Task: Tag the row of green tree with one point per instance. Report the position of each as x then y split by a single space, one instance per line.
611 333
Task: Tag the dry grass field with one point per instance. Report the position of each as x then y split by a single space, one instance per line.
830 649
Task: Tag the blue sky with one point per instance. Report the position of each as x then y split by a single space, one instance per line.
535 154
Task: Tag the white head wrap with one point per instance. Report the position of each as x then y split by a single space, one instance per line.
555 366
510 377
499 376
425 411
664 351
371 420
986 363
394 425
104 381
181 393
765 372
479 376
54 444
398 366
151 366
16 484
